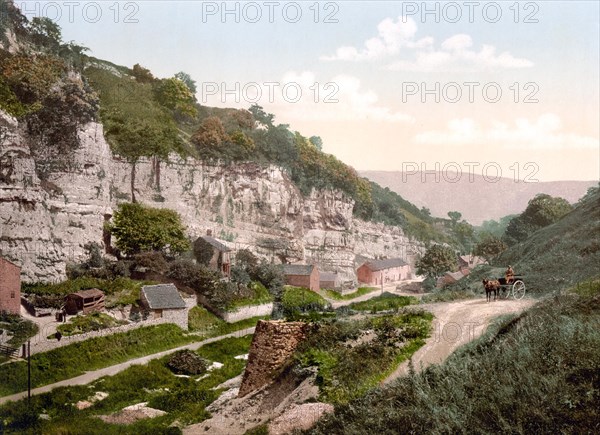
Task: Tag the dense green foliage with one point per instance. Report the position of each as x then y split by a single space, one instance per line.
494 228
207 324
203 251
296 301
74 359
437 260
140 228
119 291
20 329
88 323
534 373
541 211
332 294
184 399
384 302
489 247
351 360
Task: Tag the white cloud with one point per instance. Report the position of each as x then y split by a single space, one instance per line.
545 132
456 53
348 101
391 36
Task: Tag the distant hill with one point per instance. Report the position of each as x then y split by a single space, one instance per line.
478 200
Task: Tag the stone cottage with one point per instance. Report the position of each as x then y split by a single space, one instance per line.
377 272
10 287
221 259
164 302
302 275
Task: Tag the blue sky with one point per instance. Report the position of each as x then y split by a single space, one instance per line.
373 57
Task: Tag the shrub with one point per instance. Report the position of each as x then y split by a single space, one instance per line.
195 276
187 362
203 251
151 260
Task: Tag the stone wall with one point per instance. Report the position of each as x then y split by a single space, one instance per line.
273 345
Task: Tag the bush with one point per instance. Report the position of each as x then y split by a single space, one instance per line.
198 277
203 251
297 300
187 362
151 260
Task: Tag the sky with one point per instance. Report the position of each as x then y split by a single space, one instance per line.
491 88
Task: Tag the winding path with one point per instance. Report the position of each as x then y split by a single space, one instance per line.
88 377
455 324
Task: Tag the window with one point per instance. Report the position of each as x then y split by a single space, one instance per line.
12 295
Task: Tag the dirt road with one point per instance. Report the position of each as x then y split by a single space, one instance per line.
455 324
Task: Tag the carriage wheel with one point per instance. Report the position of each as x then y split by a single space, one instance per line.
518 289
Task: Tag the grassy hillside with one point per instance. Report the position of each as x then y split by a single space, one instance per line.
561 254
553 258
535 373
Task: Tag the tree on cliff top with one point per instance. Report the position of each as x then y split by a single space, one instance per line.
139 228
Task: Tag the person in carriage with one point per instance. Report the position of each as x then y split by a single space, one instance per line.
509 275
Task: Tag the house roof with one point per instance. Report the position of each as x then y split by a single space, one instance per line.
388 263
163 296
472 259
298 269
454 275
89 293
327 276
216 243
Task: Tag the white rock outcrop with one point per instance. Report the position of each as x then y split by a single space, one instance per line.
45 224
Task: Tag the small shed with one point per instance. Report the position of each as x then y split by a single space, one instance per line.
377 272
302 275
10 287
164 302
86 301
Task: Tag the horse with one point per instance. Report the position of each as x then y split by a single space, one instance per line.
491 285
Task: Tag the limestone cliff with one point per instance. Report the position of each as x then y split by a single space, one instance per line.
44 224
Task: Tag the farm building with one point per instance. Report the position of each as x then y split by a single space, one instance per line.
164 302
328 280
376 272
86 301
10 287
451 277
302 275
221 259
470 261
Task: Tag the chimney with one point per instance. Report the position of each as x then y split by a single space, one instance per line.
209 233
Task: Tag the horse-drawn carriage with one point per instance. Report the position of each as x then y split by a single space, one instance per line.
515 288
504 289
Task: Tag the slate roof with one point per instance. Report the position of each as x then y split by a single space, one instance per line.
216 244
298 269
388 263
163 296
454 275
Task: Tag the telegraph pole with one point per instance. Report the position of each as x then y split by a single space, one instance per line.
29 372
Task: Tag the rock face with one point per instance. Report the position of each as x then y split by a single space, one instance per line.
273 344
44 224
